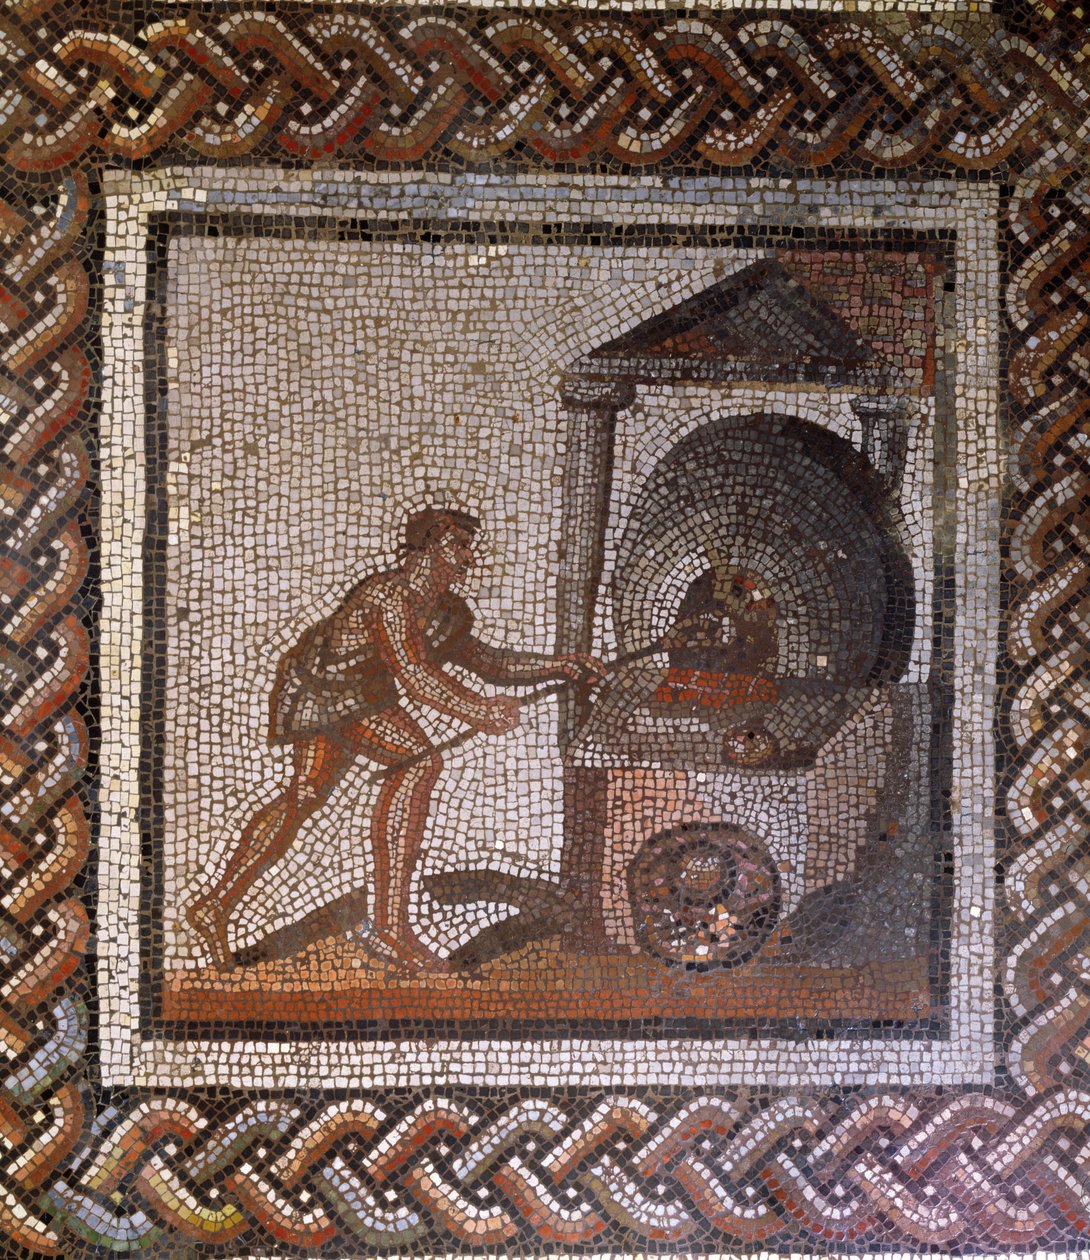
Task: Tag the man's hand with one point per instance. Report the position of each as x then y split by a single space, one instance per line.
502 714
581 667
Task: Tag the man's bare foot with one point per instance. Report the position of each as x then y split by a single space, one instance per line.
407 952
380 952
206 917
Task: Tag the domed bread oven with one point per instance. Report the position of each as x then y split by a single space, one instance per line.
761 599
804 596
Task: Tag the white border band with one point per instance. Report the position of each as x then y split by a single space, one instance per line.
966 1055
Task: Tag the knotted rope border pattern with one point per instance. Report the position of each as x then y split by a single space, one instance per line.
996 1169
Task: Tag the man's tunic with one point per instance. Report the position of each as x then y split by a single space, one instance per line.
342 669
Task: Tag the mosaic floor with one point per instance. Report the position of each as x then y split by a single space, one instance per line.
545 610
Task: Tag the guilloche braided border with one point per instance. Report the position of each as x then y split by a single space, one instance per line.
398 86
1004 1168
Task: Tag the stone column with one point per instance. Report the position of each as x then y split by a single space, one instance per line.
592 407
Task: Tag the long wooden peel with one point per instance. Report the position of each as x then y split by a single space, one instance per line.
533 697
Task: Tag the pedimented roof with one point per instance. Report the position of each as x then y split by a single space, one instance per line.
758 324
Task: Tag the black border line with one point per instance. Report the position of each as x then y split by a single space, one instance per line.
166 226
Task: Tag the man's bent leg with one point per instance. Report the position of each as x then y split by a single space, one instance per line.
318 763
398 820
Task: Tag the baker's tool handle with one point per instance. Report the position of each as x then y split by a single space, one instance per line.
542 693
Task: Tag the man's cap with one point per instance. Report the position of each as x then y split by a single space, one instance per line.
424 527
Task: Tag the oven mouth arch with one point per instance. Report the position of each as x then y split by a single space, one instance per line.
780 497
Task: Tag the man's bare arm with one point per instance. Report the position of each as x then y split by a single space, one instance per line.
402 648
509 668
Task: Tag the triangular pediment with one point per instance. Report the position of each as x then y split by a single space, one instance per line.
759 323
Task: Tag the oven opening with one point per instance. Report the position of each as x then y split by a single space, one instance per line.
762 591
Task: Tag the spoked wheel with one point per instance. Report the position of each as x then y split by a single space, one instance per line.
705 896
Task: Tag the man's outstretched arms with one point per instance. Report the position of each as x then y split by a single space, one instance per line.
403 649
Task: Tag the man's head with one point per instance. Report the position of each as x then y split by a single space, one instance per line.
447 536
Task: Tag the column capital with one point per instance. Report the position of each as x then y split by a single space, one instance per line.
884 419
895 405
587 393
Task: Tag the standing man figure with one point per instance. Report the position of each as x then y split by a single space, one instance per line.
337 697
